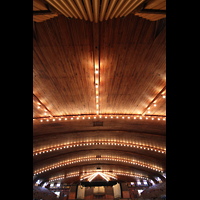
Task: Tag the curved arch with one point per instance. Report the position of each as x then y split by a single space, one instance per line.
103 159
123 167
98 142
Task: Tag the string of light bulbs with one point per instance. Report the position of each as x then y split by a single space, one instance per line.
98 142
91 117
92 158
86 173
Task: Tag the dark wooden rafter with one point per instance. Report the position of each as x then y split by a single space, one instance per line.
153 11
43 105
50 10
34 31
42 12
96 59
154 99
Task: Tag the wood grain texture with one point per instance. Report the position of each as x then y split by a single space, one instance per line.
63 67
131 55
157 5
132 66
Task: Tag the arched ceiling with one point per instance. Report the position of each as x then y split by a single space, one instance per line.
126 133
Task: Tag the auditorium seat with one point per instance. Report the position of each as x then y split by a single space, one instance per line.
155 191
43 193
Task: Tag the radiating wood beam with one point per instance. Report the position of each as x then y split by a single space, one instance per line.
43 105
154 99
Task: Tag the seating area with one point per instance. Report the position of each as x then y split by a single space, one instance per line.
154 192
43 193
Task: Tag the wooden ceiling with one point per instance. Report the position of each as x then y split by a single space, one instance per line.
130 56
98 10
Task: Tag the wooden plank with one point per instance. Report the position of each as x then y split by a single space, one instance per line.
39 4
65 70
125 79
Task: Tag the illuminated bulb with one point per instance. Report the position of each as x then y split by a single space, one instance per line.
65 118
83 118
148 108
45 113
128 117
97 105
38 107
47 120
97 97
88 117
77 118
105 116
41 120
59 118
96 86
158 118
148 111
140 117
134 117
72 118
117 117
94 117
146 117
122 117
96 71
164 96
53 119
154 104
152 118
163 118
111 116
100 116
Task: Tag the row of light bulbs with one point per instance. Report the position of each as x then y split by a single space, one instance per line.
163 94
102 116
96 76
89 158
70 175
88 173
105 142
39 107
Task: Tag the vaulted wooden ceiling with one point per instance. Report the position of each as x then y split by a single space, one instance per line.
126 132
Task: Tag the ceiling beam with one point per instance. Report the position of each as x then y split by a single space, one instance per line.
96 63
154 99
34 96
152 11
42 12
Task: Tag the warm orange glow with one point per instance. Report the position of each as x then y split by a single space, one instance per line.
92 158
